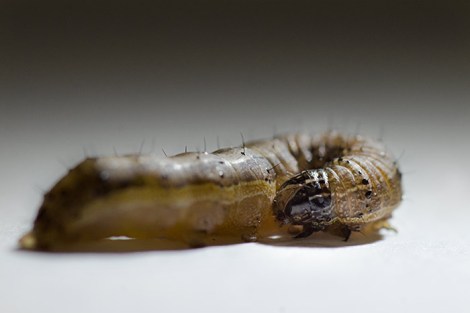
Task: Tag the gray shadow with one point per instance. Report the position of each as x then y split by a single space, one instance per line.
325 240
317 240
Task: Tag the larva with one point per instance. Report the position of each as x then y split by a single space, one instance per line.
292 185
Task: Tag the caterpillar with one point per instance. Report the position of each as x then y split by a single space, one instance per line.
290 186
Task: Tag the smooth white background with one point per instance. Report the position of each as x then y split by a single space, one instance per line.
425 266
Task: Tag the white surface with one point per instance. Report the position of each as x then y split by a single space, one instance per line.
424 267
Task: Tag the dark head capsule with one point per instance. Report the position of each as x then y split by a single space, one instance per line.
303 203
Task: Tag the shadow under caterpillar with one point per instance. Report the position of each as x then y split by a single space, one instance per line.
284 188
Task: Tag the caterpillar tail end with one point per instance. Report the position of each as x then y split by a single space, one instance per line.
28 241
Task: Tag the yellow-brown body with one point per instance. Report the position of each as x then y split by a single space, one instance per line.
198 197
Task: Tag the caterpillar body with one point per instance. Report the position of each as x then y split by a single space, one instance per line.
289 186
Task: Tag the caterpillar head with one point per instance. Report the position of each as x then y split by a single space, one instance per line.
304 200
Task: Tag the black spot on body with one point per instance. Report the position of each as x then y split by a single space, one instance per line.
368 194
100 190
126 183
41 213
365 182
399 174
49 196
